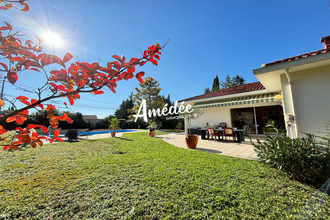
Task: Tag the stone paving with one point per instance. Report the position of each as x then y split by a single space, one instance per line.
229 148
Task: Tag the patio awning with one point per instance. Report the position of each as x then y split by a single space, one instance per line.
265 98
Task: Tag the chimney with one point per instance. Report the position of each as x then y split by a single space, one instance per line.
326 42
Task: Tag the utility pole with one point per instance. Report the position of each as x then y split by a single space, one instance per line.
2 88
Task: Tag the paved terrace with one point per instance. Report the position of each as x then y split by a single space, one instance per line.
229 148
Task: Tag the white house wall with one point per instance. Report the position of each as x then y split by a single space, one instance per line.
212 115
222 114
311 97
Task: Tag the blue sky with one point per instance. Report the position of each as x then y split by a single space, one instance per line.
206 38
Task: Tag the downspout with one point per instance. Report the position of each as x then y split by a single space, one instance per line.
255 119
287 73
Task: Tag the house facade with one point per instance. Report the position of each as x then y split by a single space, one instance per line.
92 120
247 106
294 92
304 82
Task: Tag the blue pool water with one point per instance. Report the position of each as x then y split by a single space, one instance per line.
100 132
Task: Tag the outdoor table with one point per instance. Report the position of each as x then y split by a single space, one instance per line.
238 133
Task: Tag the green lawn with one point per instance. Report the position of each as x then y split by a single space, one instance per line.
137 177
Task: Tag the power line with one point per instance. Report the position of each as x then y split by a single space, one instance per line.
75 105
19 84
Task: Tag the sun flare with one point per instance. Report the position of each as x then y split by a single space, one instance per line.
52 39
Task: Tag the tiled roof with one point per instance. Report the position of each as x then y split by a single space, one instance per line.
297 57
248 87
89 117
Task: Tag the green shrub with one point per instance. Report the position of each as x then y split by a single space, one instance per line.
303 158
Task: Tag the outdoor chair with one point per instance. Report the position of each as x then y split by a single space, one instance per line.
228 132
223 124
72 135
213 133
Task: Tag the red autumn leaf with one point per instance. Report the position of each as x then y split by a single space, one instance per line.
10 119
116 65
30 126
86 66
62 88
71 101
50 59
2 103
41 106
153 61
53 84
50 107
64 116
20 120
77 96
69 120
4 66
56 133
121 60
44 129
133 60
67 57
25 102
33 144
25 112
40 143
73 67
12 77
22 98
14 147
66 105
104 69
140 74
3 28
59 139
27 63
35 69
26 6
140 79
13 59
111 88
9 26
28 54
98 92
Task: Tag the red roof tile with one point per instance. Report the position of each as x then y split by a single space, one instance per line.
248 87
297 57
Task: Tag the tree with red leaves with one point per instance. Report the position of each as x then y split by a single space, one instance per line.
68 81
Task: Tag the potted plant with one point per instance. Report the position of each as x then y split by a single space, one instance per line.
152 128
191 139
114 123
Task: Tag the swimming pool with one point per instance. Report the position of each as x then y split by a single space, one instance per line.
103 132
99 132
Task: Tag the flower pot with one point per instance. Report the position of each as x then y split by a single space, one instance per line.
191 141
152 133
113 134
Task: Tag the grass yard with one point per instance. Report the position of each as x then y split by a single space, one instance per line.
136 177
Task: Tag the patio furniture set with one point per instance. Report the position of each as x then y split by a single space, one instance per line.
221 133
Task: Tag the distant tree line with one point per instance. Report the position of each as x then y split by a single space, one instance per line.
229 82
149 90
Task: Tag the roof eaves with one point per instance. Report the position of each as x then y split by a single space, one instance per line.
236 95
296 62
